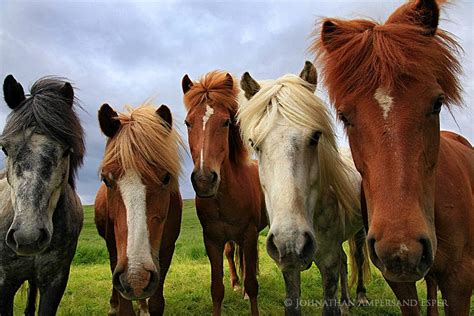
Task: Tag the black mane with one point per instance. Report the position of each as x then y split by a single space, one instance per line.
50 112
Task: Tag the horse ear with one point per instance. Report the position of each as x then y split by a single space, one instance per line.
427 15
68 93
164 112
108 120
186 83
328 32
13 92
423 13
249 85
229 81
310 75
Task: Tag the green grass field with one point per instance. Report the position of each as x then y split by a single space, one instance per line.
188 281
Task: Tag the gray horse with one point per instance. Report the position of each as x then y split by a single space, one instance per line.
311 189
40 213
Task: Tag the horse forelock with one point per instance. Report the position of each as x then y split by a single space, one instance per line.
143 144
366 55
213 90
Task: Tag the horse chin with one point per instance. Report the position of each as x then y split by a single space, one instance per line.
403 276
287 266
205 196
28 252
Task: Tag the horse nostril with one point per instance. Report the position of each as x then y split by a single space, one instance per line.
426 260
43 238
10 239
272 249
214 176
308 248
117 281
371 246
154 280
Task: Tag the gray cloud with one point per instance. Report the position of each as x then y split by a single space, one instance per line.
124 52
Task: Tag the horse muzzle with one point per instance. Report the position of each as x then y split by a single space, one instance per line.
406 261
292 253
205 184
28 241
135 284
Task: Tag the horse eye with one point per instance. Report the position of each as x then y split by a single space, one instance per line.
436 109
226 123
4 151
106 182
187 124
344 119
315 138
166 179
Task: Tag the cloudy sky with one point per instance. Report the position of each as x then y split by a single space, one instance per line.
124 52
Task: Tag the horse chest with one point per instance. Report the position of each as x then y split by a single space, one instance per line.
222 223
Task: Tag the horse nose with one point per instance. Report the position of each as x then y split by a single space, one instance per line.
119 281
28 242
205 183
200 176
407 259
124 282
290 252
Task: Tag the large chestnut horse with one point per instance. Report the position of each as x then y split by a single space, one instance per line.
389 83
138 207
229 201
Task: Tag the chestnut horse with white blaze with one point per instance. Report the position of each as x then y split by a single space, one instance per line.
313 196
229 200
388 83
138 207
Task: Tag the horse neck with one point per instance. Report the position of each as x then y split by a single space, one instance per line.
231 176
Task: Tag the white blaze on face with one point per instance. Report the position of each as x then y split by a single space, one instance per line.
205 118
134 198
385 101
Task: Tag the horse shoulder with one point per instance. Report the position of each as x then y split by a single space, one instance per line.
173 221
454 204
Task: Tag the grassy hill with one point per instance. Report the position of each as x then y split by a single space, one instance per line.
187 285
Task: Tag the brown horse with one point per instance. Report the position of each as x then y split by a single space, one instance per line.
138 207
229 201
388 83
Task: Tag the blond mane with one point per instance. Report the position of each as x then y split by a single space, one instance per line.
144 143
293 98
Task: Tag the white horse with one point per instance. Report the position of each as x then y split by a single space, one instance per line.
312 191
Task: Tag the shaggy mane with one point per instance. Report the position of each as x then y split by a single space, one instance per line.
145 143
214 89
365 55
48 111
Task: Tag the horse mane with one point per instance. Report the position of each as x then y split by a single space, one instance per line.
48 111
143 143
213 88
366 55
292 98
